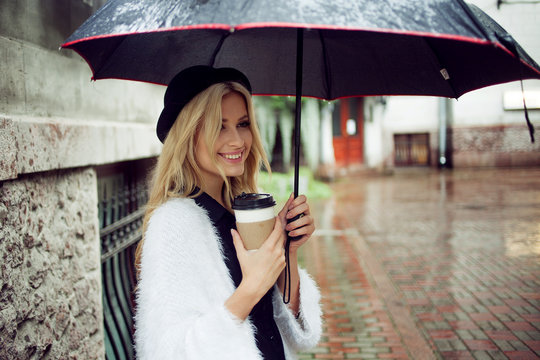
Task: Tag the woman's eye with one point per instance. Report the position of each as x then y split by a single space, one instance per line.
244 124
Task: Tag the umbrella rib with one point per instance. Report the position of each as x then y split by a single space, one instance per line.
218 48
441 67
327 74
110 56
474 19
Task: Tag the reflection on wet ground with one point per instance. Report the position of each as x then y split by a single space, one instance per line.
429 264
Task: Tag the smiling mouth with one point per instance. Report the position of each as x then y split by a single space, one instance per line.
234 156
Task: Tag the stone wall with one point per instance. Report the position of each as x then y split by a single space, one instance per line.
55 125
34 144
488 146
50 300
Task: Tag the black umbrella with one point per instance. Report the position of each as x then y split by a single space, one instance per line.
318 48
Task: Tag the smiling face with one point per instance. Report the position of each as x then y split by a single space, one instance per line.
232 145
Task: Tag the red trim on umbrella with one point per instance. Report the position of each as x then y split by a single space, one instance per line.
291 25
130 79
87 62
175 28
283 25
350 28
523 62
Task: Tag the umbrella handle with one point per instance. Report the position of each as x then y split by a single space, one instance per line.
287 284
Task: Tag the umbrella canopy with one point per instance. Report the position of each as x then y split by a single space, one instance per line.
351 48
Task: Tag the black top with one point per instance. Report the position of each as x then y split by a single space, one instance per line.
262 316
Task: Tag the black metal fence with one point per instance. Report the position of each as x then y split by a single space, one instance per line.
122 194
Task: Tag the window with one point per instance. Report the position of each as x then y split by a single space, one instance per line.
352 121
411 149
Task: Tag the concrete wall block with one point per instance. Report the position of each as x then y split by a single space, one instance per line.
47 83
50 275
8 149
45 89
38 144
44 23
12 76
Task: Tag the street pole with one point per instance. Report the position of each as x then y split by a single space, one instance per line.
444 121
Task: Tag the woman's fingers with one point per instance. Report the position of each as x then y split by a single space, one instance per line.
300 209
298 206
300 223
304 230
283 211
301 199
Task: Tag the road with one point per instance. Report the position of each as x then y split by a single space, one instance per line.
426 264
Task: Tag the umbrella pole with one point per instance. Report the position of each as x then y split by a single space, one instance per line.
298 115
297 122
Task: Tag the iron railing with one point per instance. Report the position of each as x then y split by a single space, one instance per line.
122 195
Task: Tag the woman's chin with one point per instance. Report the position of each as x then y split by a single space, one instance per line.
234 171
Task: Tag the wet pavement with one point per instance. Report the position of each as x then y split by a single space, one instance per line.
429 265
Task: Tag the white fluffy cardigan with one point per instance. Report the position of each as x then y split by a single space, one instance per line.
184 284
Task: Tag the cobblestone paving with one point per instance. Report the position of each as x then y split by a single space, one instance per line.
430 265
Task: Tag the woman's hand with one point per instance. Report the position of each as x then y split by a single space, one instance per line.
261 268
302 227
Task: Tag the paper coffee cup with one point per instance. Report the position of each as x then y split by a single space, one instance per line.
254 218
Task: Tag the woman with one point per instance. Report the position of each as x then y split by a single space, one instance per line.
201 294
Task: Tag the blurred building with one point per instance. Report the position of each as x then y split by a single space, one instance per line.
483 128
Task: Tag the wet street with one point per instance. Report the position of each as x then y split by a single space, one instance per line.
429 265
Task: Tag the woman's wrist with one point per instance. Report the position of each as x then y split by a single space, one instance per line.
251 294
242 301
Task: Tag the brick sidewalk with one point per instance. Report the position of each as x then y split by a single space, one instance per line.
430 265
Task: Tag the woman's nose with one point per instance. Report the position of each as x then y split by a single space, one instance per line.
235 138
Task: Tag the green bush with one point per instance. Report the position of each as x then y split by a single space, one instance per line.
281 185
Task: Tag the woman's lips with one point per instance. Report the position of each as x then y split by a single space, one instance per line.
232 157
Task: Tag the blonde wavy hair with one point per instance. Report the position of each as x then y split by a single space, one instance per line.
177 173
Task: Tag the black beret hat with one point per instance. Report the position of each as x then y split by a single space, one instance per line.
186 85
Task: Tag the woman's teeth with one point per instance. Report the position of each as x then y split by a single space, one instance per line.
232 157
